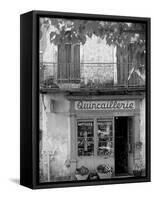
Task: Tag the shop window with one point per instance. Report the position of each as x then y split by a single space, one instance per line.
98 142
85 138
105 138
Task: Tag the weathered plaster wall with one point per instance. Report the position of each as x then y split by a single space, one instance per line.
56 135
139 137
48 49
142 130
97 52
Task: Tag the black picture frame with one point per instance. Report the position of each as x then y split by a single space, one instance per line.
29 99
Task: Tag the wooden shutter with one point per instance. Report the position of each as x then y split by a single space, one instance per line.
122 66
68 63
61 62
64 62
132 77
77 63
135 61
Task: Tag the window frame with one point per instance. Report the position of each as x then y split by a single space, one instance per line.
70 71
94 119
112 123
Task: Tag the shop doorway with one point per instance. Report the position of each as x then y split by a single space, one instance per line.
121 146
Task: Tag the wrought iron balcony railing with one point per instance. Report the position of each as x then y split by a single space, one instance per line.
91 75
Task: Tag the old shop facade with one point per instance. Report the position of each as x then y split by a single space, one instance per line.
90 131
92 110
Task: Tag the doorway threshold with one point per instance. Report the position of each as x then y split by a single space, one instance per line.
123 176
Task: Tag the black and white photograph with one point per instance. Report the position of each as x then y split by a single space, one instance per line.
92 80
76 100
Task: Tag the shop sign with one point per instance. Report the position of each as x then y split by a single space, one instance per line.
105 105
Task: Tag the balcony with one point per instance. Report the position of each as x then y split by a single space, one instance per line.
92 76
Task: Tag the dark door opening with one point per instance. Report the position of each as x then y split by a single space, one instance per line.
121 145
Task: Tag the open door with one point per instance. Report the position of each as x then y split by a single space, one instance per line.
121 146
130 144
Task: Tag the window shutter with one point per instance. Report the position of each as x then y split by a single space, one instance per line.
77 63
61 62
122 65
135 61
131 80
68 63
119 65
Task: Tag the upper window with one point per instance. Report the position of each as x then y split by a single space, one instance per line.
69 63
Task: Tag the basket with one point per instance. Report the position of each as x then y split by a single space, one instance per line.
104 175
81 177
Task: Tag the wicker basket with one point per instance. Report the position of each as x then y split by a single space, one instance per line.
81 177
104 175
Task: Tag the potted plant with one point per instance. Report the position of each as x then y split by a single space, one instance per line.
138 169
104 171
82 173
93 175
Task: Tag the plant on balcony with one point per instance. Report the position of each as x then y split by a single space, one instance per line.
48 83
82 173
96 84
104 171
